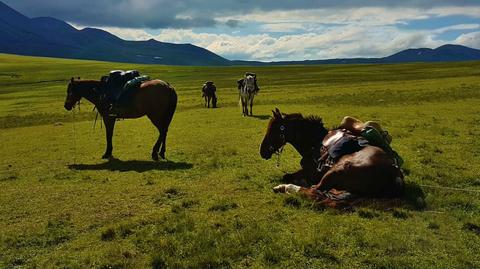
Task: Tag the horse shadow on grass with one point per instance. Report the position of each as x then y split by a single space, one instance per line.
114 164
260 117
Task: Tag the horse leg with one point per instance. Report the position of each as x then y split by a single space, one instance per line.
109 125
209 99
245 107
251 105
297 178
163 134
156 147
161 141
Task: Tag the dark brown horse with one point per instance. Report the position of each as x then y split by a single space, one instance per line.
369 172
155 98
209 93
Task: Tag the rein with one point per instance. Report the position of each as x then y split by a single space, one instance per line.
74 138
279 151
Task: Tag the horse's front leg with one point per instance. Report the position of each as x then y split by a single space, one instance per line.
109 125
251 106
244 108
297 178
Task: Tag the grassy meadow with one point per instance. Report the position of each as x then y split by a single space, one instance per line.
211 204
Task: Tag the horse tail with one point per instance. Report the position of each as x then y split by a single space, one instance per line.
173 106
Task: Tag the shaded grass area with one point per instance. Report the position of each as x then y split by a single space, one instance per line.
211 205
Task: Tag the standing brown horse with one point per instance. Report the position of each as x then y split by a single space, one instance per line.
155 98
369 172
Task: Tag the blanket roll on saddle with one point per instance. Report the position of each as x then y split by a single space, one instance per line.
135 82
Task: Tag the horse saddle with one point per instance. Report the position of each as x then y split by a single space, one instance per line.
121 87
116 81
209 88
346 141
342 142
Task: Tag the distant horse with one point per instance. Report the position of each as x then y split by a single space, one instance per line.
209 93
155 98
369 172
247 92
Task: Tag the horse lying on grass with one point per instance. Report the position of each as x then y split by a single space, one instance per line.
155 98
366 172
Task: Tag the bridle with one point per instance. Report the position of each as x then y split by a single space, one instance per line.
279 151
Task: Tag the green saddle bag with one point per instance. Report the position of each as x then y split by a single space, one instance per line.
375 138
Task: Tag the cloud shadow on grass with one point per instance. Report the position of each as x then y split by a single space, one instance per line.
114 164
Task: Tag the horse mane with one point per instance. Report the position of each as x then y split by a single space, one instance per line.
82 85
311 119
87 81
311 127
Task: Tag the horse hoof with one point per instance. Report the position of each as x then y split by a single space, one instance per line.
155 157
106 156
162 155
280 188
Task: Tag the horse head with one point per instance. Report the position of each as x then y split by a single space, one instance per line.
72 95
274 139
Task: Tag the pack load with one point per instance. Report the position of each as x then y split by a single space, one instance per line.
373 133
241 82
119 81
135 82
209 86
120 87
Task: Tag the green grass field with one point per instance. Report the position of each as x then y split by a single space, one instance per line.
211 204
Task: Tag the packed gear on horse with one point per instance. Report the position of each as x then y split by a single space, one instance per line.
374 134
208 86
241 82
120 86
209 92
351 136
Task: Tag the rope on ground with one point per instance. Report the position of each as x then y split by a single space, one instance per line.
448 188
74 139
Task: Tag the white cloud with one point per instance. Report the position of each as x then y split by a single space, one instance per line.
442 30
283 27
321 33
365 16
469 39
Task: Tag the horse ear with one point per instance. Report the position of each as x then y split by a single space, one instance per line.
78 78
72 79
277 114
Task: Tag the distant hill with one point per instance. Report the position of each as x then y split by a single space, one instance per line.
51 37
55 38
445 53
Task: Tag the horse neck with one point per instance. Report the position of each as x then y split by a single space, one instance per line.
305 136
86 90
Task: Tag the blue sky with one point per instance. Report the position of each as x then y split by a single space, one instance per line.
275 30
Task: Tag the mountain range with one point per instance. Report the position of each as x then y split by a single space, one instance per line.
50 37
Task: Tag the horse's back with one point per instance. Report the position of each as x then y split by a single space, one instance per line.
156 84
155 97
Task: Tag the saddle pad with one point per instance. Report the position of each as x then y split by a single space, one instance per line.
346 145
